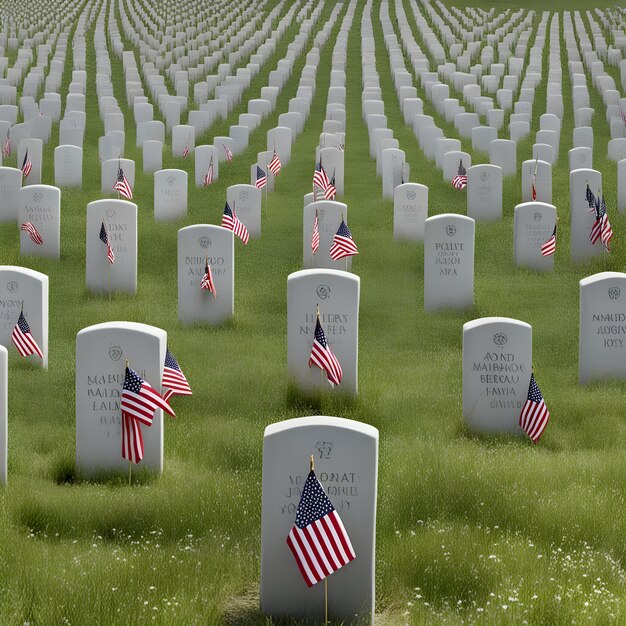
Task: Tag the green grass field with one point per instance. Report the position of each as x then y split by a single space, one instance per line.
487 529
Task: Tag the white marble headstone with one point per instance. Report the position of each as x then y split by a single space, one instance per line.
581 219
101 353
410 210
41 206
534 225
329 214
484 192
337 295
170 194
68 166
345 453
10 185
247 202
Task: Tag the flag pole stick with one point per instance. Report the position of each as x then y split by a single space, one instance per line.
326 601
130 463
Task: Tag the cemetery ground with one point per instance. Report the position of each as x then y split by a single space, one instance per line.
469 527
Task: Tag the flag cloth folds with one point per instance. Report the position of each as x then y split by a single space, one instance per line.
275 165
342 245
231 221
319 176
322 356
139 402
331 191
186 151
549 246
318 539
208 177
27 165
460 180
533 191
173 378
104 238
23 338
229 154
122 185
601 229
315 238
261 178
535 415
6 146
207 284
33 233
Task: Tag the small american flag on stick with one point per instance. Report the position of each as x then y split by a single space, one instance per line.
318 539
229 154
322 356
104 238
533 191
331 191
275 165
231 221
261 178
174 380
320 179
6 146
186 151
315 238
460 180
208 177
535 415
27 165
122 185
23 338
549 247
33 233
207 284
343 245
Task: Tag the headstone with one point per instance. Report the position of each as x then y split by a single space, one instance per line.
170 194
120 221
393 161
35 154
602 334
449 262
4 413
346 463
534 225
497 365
337 295
101 353
581 219
410 210
580 158
152 152
484 192
247 202
68 166
10 185
183 138
503 152
110 169
41 206
198 245
202 158
542 181
24 289
329 216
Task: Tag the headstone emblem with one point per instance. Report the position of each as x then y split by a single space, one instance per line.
115 353
410 195
614 293
500 339
324 449
204 242
12 286
37 196
170 180
323 292
450 230
537 215
110 214
484 176
244 195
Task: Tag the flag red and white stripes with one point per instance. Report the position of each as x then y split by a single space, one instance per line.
315 238
549 246
6 146
208 177
104 238
186 151
207 283
231 221
342 245
27 165
174 381
33 233
132 439
318 539
23 338
122 185
322 356
261 178
275 165
229 154
535 415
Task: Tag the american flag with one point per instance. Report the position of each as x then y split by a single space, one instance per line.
186 151
33 233
132 440
23 338
27 165
342 245
231 221
601 228
590 198
322 356
229 154
319 176
535 415
261 178
549 246
173 378
331 191
318 539
275 165
315 239
533 191
208 177
6 146
122 185
460 180
207 283
104 238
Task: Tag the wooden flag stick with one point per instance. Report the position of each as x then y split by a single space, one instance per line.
326 601
130 463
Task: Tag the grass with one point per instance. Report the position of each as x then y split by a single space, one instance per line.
488 529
